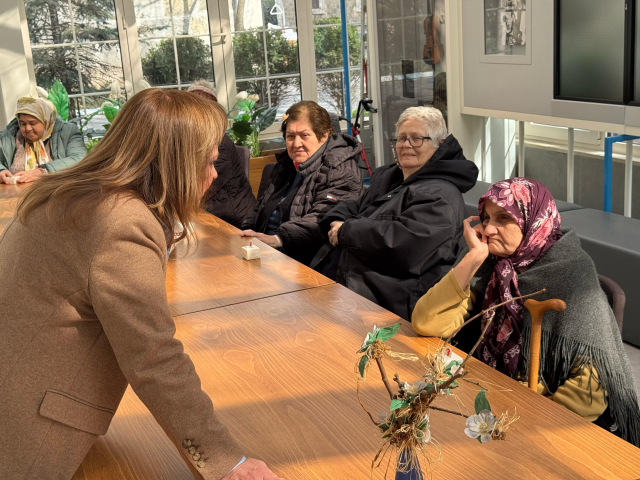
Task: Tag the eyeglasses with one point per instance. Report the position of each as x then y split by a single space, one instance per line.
415 142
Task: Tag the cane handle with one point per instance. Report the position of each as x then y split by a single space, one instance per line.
537 309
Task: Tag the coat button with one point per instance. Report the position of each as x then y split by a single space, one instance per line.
192 450
186 443
200 464
196 456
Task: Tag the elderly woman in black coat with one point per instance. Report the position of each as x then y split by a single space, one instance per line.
398 239
318 169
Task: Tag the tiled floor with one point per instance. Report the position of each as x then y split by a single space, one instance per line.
633 353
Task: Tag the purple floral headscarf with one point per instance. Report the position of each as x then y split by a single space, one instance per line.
531 205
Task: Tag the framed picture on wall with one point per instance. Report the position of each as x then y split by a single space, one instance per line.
507 31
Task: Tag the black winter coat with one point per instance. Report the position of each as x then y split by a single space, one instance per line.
401 237
230 197
329 176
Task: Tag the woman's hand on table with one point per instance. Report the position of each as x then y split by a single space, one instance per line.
30 175
4 175
333 233
252 469
271 240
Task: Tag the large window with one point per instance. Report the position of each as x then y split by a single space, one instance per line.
327 35
76 42
265 50
175 43
250 45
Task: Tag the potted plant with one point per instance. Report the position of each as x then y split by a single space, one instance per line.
249 120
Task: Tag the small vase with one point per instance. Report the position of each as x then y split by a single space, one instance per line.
413 474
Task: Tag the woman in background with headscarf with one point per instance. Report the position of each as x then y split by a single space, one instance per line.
38 141
517 249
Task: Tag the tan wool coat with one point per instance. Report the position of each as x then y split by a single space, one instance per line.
83 312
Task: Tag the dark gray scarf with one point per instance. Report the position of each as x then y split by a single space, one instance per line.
585 333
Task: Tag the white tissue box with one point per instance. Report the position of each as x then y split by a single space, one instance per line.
251 252
13 180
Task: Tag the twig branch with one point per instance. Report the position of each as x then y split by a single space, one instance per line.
396 379
448 411
464 362
487 310
385 380
475 383
362 405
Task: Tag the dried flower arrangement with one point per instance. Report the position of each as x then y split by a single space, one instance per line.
406 430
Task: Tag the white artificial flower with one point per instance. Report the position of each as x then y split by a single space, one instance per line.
455 369
383 417
254 98
143 84
481 425
128 87
414 389
241 96
115 89
42 93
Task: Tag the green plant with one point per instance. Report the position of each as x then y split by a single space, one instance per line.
60 99
249 120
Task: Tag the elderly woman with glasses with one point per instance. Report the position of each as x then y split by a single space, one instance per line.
401 236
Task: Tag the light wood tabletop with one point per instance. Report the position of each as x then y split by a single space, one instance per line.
215 274
280 371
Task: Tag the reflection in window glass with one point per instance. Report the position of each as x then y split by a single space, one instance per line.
413 64
174 42
75 42
265 50
591 50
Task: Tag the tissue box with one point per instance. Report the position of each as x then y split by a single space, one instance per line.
251 252
13 180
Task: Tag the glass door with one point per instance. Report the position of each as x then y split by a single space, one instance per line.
411 58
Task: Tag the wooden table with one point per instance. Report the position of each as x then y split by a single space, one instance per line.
280 371
215 275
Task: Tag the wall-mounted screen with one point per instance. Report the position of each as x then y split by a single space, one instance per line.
590 50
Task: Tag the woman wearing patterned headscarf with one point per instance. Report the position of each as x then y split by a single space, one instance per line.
38 141
519 248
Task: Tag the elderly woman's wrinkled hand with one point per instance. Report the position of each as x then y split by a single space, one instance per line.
30 176
333 233
476 239
4 175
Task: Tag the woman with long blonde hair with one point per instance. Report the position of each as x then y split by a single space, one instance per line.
84 307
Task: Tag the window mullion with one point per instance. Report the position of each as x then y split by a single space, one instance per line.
306 50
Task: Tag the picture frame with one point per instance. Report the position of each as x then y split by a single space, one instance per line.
507 32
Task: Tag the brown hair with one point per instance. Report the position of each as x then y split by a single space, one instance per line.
157 150
317 116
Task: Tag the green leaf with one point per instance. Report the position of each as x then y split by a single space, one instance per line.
384 427
481 403
478 438
245 105
106 126
265 119
242 128
386 333
397 403
363 364
110 112
59 97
